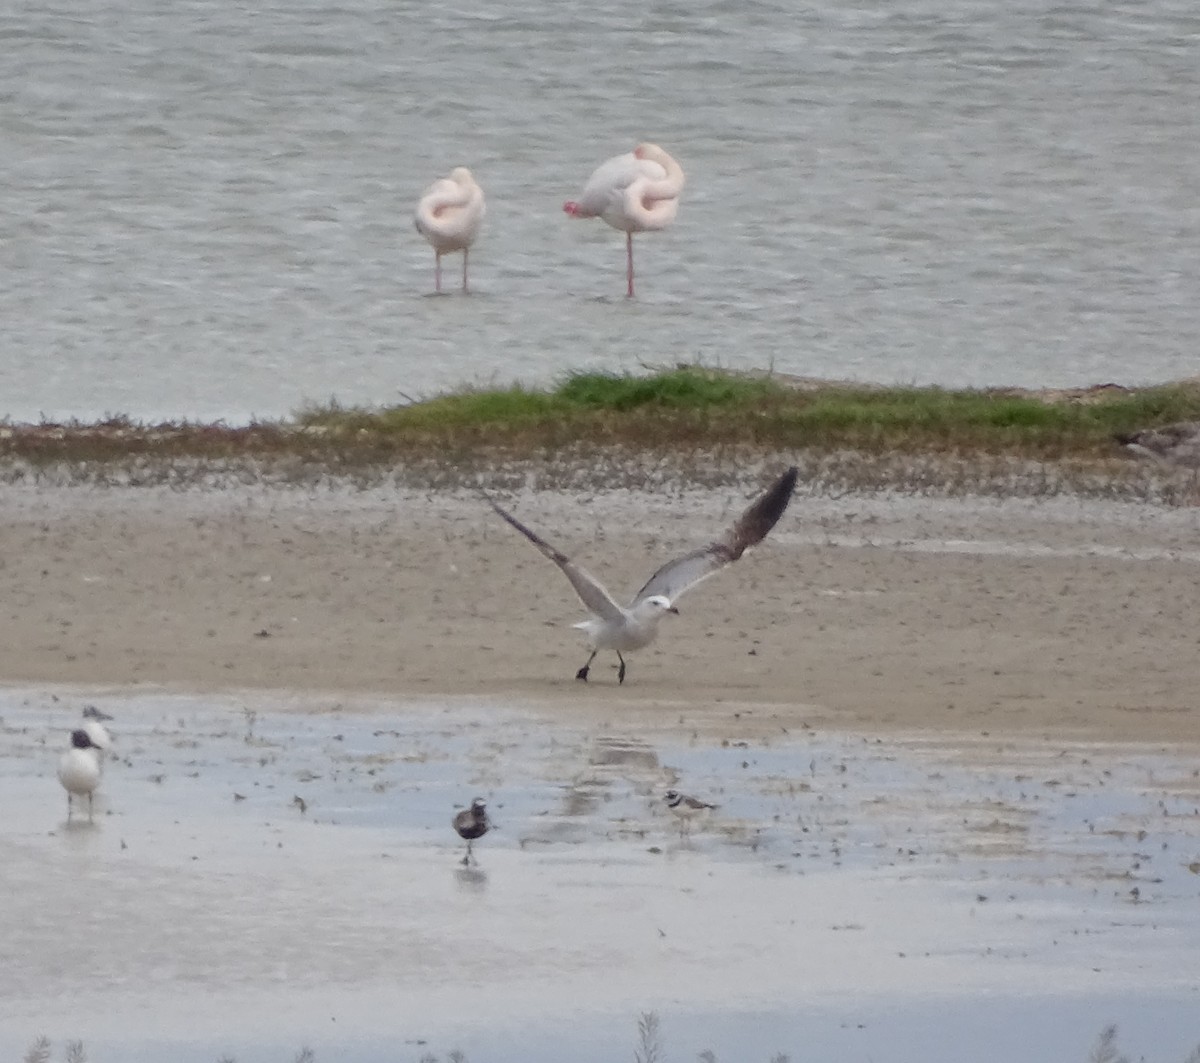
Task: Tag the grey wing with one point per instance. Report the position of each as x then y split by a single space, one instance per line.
748 530
677 576
590 590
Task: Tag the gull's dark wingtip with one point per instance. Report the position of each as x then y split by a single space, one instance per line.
556 556
771 505
504 513
764 513
787 482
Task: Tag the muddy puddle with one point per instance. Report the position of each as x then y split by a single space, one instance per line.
266 873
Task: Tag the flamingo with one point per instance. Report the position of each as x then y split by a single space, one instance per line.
449 215
635 193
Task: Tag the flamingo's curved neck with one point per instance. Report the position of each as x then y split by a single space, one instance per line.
668 186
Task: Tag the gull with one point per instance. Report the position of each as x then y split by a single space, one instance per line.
686 807
79 769
472 823
619 628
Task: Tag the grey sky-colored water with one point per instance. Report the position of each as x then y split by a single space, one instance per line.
205 208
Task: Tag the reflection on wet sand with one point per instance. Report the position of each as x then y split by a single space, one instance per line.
844 892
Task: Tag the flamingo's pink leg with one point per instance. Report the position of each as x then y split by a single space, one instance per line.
629 263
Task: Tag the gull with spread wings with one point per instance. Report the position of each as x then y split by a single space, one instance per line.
615 627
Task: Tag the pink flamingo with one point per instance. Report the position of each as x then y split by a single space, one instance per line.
636 193
449 215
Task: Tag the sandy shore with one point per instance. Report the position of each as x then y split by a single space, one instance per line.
1060 617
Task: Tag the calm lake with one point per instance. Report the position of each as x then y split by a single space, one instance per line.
206 206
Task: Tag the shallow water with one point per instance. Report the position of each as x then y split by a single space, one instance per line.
206 208
850 898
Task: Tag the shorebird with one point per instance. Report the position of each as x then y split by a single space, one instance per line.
636 192
79 770
686 808
617 628
472 823
449 215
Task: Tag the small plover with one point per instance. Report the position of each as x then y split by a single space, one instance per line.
616 627
79 770
472 823
686 808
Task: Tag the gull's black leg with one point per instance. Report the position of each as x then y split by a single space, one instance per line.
621 670
582 674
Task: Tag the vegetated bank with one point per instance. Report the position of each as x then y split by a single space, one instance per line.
686 422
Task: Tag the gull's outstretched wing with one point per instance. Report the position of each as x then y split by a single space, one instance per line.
589 589
751 528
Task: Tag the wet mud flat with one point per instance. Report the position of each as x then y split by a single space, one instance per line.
887 613
271 870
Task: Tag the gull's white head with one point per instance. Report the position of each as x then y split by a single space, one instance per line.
654 607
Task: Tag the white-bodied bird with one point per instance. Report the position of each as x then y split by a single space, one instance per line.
79 770
686 808
636 192
624 629
449 215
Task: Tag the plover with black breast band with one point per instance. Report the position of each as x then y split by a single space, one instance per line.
686 808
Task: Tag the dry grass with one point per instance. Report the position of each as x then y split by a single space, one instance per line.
685 424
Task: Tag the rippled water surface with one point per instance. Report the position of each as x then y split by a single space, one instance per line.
205 207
